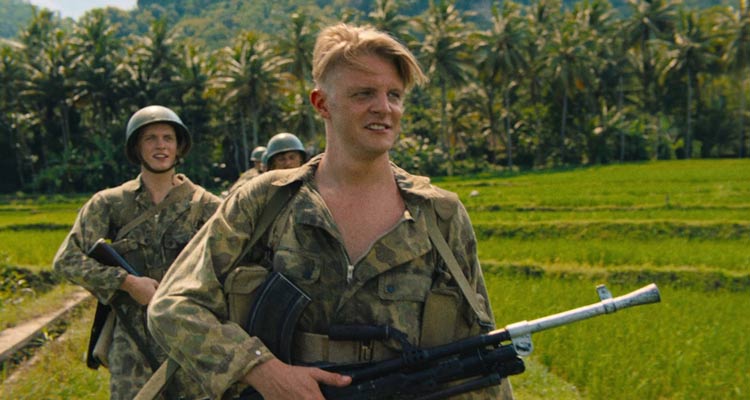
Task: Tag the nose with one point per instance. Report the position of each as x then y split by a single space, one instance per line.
380 103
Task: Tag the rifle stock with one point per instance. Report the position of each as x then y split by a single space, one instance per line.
103 253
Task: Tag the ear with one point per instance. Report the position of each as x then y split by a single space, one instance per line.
318 101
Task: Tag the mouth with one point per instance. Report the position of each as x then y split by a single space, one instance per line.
377 127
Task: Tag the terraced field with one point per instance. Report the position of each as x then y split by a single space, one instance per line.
545 240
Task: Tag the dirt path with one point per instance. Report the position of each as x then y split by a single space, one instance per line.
15 338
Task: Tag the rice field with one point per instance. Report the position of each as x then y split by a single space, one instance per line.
546 239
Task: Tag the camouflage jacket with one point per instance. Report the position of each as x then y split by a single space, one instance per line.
244 177
388 285
149 247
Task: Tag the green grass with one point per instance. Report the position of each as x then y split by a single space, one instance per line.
58 371
665 184
31 248
32 304
692 345
667 253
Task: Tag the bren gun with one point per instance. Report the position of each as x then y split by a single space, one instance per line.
442 371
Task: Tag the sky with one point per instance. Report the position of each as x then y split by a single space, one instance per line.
76 8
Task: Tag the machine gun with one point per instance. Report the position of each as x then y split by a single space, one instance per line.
425 373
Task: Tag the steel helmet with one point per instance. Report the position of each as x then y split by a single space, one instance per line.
150 115
282 142
257 154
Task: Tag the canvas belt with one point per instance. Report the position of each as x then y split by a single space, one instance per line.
311 347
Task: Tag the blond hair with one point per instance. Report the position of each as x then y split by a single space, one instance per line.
341 44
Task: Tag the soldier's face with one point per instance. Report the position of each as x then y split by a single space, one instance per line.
362 107
157 145
286 160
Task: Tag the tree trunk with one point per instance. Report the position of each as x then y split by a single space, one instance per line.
243 134
562 128
688 138
742 114
508 139
619 108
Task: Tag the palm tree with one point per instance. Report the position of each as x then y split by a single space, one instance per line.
250 81
543 18
444 54
12 76
191 82
650 19
688 55
298 45
386 16
737 57
97 55
150 66
500 62
49 91
570 62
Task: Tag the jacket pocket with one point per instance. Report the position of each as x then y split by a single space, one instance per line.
240 288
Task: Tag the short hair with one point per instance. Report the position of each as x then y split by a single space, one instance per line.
340 44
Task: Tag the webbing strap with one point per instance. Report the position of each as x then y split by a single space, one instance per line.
158 380
178 194
450 260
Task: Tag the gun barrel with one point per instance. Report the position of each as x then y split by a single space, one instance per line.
645 295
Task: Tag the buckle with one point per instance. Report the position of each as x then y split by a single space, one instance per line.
365 350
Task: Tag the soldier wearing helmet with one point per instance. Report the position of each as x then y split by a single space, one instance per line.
284 151
256 156
148 221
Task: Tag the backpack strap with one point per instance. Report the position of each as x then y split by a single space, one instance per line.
277 200
437 239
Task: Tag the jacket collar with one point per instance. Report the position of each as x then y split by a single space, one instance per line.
415 186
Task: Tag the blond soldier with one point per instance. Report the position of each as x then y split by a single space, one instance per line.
353 236
149 220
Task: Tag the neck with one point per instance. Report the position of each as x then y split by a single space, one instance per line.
348 171
158 184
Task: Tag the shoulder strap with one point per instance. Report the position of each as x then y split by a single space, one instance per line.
450 260
196 206
179 194
273 207
271 210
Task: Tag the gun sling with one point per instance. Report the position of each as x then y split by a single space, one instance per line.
455 270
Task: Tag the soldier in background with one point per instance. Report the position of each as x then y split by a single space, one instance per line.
354 236
285 150
148 220
256 156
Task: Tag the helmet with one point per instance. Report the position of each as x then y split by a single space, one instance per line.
150 115
282 142
257 154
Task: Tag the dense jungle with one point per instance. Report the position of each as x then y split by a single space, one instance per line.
513 85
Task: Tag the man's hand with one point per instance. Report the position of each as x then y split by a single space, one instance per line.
278 381
140 288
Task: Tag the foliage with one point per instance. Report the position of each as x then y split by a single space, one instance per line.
512 86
